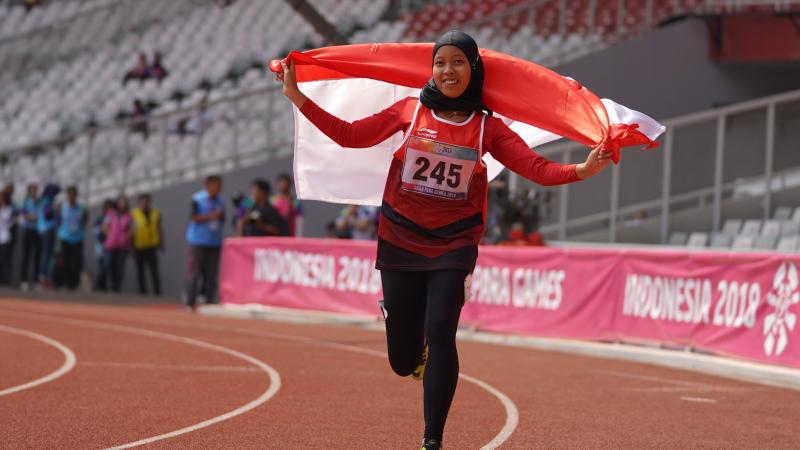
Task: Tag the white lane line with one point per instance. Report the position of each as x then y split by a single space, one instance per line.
512 413
131 365
699 399
634 376
69 360
274 377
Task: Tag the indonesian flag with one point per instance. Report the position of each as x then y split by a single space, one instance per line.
356 81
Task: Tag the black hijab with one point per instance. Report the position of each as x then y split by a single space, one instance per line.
470 100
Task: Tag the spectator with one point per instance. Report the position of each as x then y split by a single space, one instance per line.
535 239
9 188
330 230
358 222
71 232
141 71
8 217
516 237
198 121
204 235
240 205
261 219
117 228
157 70
30 4
147 242
100 253
288 206
46 227
139 122
31 243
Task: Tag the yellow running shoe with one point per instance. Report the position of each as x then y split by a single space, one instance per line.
419 373
432 444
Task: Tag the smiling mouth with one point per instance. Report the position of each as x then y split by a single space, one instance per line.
450 82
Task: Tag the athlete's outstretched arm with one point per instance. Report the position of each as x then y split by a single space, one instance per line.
507 147
358 134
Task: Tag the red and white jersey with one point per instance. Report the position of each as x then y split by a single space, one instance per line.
433 203
435 195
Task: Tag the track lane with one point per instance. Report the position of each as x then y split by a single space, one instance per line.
565 401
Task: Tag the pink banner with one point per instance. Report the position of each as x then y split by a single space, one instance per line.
738 304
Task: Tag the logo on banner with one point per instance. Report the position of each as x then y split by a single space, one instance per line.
783 295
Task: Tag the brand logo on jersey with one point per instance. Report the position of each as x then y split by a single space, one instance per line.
427 132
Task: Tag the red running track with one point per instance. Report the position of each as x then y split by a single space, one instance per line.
169 379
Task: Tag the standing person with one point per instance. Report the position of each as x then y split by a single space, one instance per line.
147 242
288 206
261 218
432 215
31 243
8 217
100 253
71 231
204 235
46 227
357 222
117 228
15 226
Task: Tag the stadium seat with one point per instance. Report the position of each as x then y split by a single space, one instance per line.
721 241
790 228
771 228
678 238
732 227
782 213
743 242
766 242
796 215
697 239
789 244
751 228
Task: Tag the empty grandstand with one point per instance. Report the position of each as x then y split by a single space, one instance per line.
67 116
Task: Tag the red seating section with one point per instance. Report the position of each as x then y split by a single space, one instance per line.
607 20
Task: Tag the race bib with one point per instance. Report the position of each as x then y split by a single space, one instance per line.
438 169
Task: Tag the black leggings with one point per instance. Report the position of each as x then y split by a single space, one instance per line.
424 305
31 255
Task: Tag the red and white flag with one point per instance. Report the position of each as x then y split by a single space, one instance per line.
356 81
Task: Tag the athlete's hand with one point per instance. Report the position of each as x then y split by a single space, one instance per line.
597 160
289 79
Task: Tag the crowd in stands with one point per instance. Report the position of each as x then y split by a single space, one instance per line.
144 70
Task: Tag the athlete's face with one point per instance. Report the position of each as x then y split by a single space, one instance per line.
451 71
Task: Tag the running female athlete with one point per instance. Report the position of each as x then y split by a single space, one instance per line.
433 210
